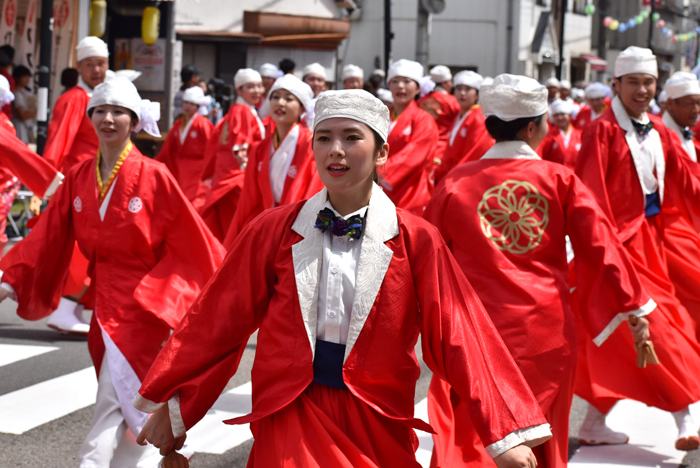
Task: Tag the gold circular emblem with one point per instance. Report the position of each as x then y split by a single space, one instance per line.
514 216
223 139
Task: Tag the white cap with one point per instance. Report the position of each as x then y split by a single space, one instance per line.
405 68
352 71
245 76
355 104
268 70
577 93
194 95
468 78
565 84
91 46
440 74
427 85
636 60
130 75
560 106
552 83
6 96
315 68
596 91
512 97
488 81
385 95
682 84
294 85
663 97
122 92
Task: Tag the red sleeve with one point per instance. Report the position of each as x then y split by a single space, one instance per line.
682 178
546 147
166 155
65 123
416 155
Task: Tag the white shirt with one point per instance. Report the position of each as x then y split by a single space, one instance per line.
649 182
688 145
337 283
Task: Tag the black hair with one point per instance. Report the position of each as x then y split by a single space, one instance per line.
19 71
501 130
287 65
5 59
69 77
9 50
188 71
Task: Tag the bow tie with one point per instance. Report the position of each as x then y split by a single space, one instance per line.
351 227
642 129
688 133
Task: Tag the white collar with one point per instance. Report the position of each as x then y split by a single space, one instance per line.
240 100
361 212
440 89
85 86
516 149
672 125
623 118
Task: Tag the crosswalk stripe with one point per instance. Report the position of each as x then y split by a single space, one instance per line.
30 407
10 353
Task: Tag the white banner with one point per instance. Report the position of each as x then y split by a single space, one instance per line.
61 45
27 44
7 22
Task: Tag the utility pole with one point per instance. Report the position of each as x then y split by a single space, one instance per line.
388 35
42 115
651 25
562 14
422 35
603 7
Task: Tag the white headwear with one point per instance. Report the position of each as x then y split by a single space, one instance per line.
91 46
636 60
315 68
488 81
6 96
122 92
512 97
245 76
596 91
468 78
355 104
427 85
440 74
194 95
682 84
577 93
385 95
565 84
663 97
352 71
405 68
130 75
268 70
561 107
552 83
294 85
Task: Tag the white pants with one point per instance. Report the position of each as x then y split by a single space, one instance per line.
110 443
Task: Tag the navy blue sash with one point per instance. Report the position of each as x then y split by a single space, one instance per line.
653 205
328 364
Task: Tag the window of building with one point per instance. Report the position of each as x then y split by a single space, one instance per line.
579 7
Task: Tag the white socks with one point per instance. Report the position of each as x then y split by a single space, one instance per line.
686 424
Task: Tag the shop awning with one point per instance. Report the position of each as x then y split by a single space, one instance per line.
296 31
597 63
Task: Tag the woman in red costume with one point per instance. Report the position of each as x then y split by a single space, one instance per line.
563 142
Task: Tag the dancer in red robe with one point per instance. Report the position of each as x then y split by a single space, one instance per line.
234 138
597 99
184 148
563 142
442 105
339 292
630 172
468 138
281 170
149 252
413 139
514 213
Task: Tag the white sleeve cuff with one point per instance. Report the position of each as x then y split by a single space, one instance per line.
7 287
148 406
531 436
57 181
646 309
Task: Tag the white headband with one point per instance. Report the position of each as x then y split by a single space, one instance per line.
468 78
91 46
636 60
315 68
295 86
245 76
440 74
512 97
122 92
194 95
407 69
682 84
352 71
596 91
561 107
268 70
355 104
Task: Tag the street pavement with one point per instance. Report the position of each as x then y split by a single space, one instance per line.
47 392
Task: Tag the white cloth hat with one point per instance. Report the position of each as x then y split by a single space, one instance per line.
565 84
682 84
355 104
352 71
294 85
663 97
512 97
488 81
440 74
552 83
122 92
636 60
194 95
577 93
405 68
561 106
468 78
427 85
6 96
596 91
245 76
91 46
268 70
130 75
385 95
315 68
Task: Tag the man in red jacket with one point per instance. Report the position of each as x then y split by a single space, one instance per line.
442 105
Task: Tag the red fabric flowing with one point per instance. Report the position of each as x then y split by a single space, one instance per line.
406 175
470 143
444 108
327 427
553 147
71 138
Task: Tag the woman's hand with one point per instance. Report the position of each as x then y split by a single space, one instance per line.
640 331
4 294
517 457
242 157
159 432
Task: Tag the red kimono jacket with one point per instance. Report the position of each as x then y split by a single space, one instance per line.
609 373
506 221
149 257
408 284
183 153
413 138
17 159
444 108
556 148
585 117
239 127
467 142
71 137
301 183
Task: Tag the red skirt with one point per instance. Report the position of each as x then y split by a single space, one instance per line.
328 427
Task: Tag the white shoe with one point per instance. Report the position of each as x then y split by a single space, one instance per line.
593 431
687 431
79 310
64 319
